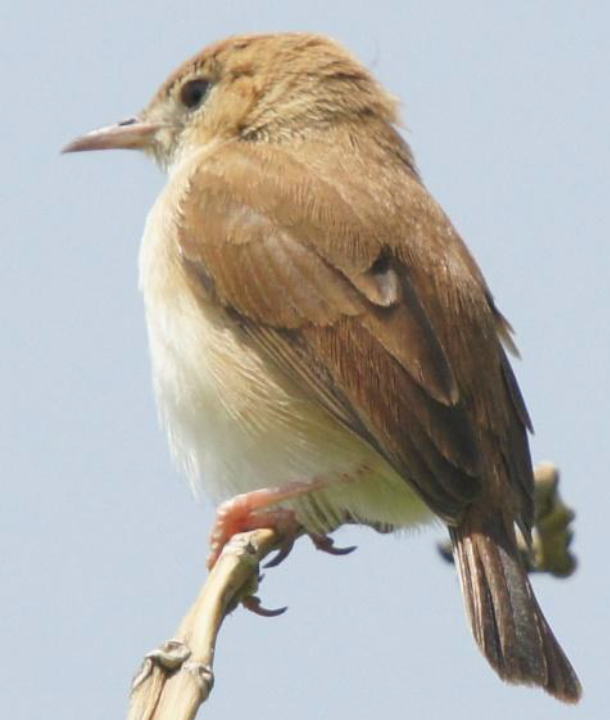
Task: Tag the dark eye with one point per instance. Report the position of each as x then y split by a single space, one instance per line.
193 92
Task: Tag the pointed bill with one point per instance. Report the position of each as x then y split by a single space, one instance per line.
130 134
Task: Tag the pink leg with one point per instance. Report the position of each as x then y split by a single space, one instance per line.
250 511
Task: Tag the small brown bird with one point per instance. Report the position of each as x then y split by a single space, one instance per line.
324 347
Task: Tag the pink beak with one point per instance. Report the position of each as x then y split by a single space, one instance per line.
130 134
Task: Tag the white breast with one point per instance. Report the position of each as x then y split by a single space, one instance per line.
234 423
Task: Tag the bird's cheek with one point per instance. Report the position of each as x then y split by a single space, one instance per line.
231 110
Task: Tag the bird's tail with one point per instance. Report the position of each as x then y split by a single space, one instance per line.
506 620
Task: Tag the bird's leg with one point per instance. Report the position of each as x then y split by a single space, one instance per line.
254 510
250 511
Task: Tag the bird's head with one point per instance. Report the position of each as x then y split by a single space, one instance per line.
258 88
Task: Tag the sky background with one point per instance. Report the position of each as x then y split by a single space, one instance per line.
102 548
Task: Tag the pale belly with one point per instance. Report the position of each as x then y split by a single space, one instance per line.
236 424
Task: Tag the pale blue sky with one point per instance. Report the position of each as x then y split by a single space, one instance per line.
102 547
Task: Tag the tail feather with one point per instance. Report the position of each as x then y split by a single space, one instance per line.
506 620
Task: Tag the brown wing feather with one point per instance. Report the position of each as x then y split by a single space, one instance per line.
377 308
264 200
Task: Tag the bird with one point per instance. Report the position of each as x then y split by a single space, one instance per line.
324 347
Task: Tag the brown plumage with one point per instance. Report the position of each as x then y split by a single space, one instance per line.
297 257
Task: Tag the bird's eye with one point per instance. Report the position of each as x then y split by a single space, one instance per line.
193 93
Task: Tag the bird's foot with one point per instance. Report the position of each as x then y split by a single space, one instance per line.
322 542
327 544
253 604
238 515
292 531
253 510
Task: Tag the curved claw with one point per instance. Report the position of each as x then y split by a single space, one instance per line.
253 604
327 545
282 553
